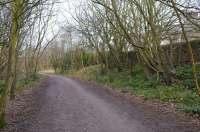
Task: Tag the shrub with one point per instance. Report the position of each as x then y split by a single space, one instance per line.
184 73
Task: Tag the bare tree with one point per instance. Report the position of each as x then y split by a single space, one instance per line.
21 14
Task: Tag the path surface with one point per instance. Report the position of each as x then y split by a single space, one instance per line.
68 105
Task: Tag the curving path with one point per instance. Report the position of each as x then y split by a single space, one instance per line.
69 105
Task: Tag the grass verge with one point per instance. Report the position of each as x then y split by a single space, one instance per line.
23 83
182 94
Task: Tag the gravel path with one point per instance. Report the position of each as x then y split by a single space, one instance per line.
68 105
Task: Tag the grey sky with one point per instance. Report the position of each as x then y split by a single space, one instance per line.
67 8
62 15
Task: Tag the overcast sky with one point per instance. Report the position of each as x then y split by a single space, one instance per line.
67 8
62 16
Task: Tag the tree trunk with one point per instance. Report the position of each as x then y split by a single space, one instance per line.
13 87
10 75
194 69
16 15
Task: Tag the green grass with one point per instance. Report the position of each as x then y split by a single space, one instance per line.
23 83
182 94
26 83
184 73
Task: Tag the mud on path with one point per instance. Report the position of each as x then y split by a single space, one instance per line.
68 105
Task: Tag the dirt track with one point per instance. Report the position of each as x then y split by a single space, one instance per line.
67 105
